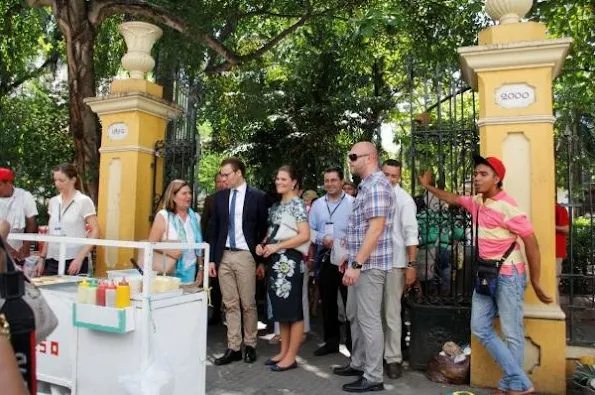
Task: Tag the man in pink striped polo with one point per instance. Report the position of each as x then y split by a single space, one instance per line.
500 223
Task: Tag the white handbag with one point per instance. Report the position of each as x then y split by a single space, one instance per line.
288 229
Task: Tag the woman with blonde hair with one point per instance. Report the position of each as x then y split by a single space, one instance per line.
70 213
177 221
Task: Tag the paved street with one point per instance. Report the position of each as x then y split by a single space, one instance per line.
314 376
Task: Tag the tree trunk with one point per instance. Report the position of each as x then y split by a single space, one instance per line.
79 36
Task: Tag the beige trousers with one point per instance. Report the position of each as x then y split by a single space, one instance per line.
237 280
391 314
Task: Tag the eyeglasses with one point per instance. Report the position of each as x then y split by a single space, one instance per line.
225 175
354 157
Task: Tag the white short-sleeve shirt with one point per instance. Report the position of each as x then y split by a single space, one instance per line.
16 209
70 221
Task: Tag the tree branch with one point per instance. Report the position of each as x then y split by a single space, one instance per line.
225 66
51 60
101 10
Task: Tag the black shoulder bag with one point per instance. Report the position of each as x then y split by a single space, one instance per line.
486 280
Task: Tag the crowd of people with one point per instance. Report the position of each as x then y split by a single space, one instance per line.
361 242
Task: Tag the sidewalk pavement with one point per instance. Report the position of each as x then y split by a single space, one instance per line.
314 375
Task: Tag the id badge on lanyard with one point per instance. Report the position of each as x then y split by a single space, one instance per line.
329 229
59 228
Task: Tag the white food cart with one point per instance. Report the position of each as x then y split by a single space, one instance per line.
93 347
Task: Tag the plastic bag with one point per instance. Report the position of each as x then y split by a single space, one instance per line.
339 251
156 377
442 369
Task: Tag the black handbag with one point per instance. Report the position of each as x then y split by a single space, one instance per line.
486 279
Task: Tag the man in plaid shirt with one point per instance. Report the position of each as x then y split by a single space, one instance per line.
370 258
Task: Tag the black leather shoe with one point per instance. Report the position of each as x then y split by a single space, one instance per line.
229 357
270 362
325 350
347 371
394 370
277 368
363 385
249 354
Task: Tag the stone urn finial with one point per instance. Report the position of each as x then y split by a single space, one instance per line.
508 11
139 37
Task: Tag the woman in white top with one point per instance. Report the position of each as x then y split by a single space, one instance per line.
70 212
177 221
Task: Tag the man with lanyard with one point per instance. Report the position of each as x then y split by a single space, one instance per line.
328 216
18 207
402 275
500 223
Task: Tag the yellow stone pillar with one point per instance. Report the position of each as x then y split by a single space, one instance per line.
133 118
512 69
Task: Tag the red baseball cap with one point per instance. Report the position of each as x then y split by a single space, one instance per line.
6 174
493 162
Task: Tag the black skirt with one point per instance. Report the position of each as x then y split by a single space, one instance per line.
286 275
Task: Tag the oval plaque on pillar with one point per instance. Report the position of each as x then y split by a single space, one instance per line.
117 131
515 95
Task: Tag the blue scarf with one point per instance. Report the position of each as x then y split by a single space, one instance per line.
187 274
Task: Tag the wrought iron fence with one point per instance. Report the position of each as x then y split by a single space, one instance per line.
443 137
181 148
577 278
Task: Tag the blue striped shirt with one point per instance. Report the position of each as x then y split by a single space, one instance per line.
375 198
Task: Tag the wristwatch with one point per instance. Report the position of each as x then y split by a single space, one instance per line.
4 327
356 265
411 264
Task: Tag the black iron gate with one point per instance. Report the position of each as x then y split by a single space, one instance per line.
575 156
181 149
443 137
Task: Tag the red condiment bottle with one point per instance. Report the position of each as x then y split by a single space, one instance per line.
101 293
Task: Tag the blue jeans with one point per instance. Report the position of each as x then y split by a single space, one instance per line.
508 304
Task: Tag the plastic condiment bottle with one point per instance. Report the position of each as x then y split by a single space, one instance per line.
81 292
92 293
123 294
110 295
100 299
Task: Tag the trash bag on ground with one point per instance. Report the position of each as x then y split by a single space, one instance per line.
156 377
450 366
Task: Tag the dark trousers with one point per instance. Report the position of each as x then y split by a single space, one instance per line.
51 267
330 280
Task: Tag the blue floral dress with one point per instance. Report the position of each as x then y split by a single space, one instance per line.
286 268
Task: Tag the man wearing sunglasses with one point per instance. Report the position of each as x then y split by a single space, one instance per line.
370 258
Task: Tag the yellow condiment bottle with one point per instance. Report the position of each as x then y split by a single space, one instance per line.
122 294
81 292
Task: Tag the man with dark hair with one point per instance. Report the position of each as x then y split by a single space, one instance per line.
402 274
500 223
328 216
220 185
18 207
207 211
238 223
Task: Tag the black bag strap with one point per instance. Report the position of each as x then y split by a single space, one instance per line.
10 266
12 281
506 254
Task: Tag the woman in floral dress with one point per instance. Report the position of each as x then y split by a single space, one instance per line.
286 269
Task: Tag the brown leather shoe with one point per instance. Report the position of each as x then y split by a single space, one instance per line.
394 370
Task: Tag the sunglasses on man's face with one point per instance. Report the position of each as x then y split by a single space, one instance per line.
354 157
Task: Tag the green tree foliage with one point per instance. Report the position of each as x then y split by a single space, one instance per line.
34 138
29 44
